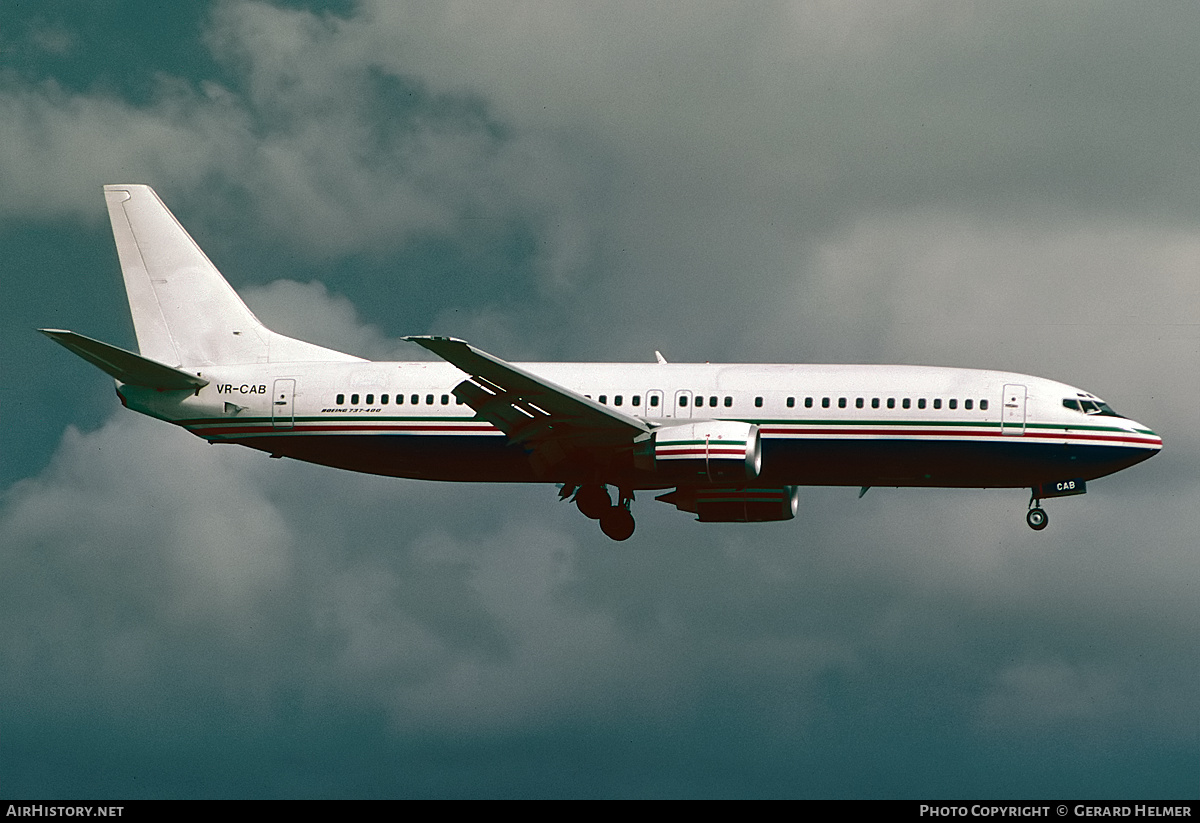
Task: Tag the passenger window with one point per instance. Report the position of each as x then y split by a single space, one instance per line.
808 402
967 404
953 403
983 404
341 399
907 403
791 402
712 401
383 398
370 399
841 402
937 402
824 402
415 399
728 401
858 404
891 404
445 400
399 400
683 400
921 403
874 402
354 400
604 399
654 400
429 400
637 400
758 402
618 400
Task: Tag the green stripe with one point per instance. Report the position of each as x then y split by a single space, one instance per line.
700 442
982 424
331 418
327 419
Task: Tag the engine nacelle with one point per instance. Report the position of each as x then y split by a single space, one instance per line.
706 450
736 505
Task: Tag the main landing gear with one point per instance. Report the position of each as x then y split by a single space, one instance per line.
1036 517
594 502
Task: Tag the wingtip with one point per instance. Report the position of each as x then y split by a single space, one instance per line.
422 339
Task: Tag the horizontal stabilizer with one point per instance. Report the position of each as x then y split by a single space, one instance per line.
125 365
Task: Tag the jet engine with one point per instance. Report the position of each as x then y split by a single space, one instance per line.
736 505
722 450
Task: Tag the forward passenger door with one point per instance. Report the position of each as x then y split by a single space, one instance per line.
1012 413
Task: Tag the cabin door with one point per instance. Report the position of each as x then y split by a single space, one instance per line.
682 406
654 404
283 403
1012 410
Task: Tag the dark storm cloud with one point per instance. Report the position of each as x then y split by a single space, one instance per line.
1001 187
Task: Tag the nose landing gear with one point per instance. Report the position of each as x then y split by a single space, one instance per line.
1036 517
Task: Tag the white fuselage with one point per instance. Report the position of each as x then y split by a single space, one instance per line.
820 424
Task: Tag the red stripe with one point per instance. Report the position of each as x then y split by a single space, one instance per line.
665 450
1141 440
267 429
700 453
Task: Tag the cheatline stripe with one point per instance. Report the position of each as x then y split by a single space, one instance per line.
334 429
979 424
776 429
363 418
936 433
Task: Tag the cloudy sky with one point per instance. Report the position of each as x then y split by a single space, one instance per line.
1011 186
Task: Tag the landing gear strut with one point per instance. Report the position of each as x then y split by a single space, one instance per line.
1036 517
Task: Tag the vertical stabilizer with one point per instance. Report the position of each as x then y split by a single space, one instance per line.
184 312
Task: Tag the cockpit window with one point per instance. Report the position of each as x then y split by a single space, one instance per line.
1097 407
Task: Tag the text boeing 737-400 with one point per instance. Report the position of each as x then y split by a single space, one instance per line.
728 443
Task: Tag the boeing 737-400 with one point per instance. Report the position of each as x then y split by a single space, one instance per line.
728 443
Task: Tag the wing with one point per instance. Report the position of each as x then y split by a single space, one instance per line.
551 421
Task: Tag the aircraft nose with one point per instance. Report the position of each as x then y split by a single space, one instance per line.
1143 437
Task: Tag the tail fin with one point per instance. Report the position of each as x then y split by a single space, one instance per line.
184 311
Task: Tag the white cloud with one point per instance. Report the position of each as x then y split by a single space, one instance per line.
307 311
818 182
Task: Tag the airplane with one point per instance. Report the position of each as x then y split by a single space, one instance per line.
725 442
